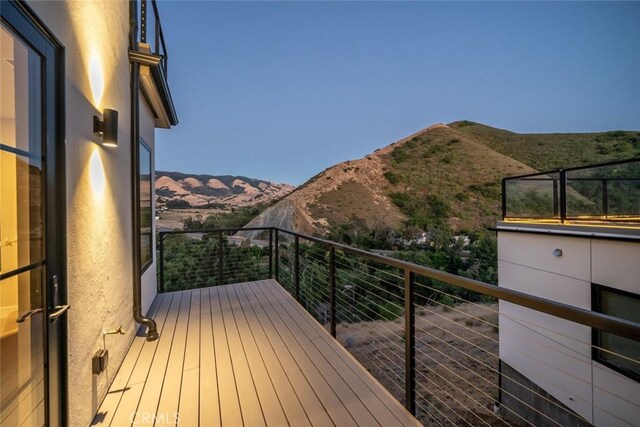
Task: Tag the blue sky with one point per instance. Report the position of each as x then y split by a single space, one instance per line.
283 90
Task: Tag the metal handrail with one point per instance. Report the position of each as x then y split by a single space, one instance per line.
582 316
585 317
576 168
559 188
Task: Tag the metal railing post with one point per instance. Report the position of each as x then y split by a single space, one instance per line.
555 197
161 261
296 261
277 256
332 291
504 199
221 258
271 253
143 21
156 48
563 196
409 343
605 197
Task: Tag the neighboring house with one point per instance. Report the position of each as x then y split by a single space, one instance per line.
571 236
76 213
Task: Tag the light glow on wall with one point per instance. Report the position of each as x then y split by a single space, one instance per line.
96 79
96 175
95 25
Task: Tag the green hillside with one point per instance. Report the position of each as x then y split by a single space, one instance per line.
555 150
443 177
451 175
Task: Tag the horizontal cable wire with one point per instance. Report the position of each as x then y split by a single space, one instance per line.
470 343
394 351
371 284
478 333
492 398
378 323
498 372
426 399
489 382
355 260
441 412
515 319
418 372
368 273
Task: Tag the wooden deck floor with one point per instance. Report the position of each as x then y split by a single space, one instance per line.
244 354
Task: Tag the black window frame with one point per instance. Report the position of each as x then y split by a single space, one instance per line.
596 305
145 264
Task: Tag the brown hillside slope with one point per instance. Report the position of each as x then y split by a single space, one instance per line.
360 189
445 176
441 175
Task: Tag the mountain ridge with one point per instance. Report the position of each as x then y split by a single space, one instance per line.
183 190
443 175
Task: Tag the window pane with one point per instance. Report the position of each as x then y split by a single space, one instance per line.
620 349
146 250
21 186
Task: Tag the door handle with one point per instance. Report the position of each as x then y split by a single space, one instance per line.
60 310
28 314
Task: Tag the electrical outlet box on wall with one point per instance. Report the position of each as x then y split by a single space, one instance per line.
100 361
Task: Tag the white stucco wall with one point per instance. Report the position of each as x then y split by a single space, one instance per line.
555 353
99 235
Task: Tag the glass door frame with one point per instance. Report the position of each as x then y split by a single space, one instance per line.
23 22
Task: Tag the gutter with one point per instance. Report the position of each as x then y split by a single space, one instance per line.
152 332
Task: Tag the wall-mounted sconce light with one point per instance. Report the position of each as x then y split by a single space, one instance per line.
107 127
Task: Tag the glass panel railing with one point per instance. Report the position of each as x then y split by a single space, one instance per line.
604 192
608 192
533 196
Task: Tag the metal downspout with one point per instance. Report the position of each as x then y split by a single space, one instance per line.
152 333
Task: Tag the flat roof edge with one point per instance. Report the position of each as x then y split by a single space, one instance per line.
573 230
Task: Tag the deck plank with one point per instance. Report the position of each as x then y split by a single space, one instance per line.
230 412
209 404
170 394
304 342
399 411
135 386
269 399
243 355
118 387
252 414
152 390
387 410
334 406
301 405
188 409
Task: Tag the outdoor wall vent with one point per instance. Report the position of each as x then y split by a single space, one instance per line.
107 127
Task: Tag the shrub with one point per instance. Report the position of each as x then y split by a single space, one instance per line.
392 177
178 204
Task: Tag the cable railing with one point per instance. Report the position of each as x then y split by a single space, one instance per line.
438 342
608 192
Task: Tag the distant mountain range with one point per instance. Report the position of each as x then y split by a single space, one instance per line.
181 190
446 174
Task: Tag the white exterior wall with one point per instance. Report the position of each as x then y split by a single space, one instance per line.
99 213
555 353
